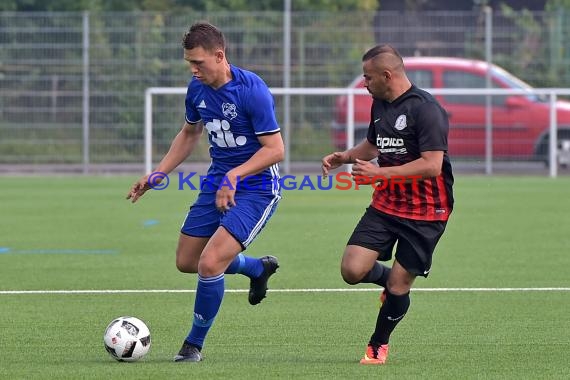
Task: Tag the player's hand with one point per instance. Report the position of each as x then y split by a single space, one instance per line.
138 189
332 161
225 196
363 172
225 199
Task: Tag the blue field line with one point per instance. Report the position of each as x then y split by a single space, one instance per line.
6 250
315 290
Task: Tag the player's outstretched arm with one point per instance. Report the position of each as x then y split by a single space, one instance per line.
333 161
363 151
181 147
138 189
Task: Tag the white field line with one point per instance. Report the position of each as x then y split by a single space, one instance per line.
316 290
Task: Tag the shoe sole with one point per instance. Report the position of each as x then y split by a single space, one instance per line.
189 359
372 362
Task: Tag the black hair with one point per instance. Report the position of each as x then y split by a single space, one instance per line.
205 35
381 49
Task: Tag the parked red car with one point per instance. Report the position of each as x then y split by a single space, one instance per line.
520 122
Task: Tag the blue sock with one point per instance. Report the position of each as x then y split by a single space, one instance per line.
248 266
236 265
209 295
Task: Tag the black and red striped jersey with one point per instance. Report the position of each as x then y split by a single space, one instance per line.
401 130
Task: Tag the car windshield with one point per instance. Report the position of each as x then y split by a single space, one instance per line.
515 83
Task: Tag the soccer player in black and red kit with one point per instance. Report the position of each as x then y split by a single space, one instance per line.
408 136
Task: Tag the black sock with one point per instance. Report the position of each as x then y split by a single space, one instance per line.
378 275
391 313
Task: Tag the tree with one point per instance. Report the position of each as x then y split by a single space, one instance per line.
197 5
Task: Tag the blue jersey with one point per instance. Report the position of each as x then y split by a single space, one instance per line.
234 115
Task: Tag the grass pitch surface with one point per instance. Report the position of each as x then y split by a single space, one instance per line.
495 305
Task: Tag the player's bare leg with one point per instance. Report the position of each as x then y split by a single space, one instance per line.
188 252
356 262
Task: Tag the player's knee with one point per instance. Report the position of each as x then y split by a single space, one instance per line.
349 276
209 266
398 288
350 280
185 266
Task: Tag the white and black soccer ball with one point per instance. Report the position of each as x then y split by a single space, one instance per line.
127 339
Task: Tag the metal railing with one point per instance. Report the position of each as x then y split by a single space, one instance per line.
81 104
551 93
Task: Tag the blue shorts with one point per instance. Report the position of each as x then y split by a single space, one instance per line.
243 221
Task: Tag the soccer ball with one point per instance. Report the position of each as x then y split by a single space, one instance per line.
127 339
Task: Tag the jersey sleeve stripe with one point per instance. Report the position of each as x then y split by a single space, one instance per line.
264 133
192 122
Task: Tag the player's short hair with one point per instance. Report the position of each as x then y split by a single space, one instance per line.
205 35
389 50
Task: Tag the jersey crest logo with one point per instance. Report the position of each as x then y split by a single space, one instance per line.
229 110
401 122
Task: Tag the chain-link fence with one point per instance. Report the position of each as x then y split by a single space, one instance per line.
72 84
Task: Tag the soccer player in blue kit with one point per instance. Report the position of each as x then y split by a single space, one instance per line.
241 189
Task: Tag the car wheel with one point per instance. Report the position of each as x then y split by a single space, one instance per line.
562 147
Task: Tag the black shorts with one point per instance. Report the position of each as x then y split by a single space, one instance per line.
416 239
